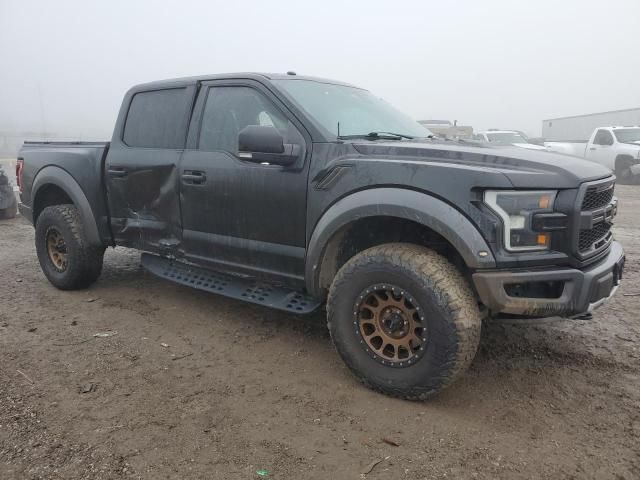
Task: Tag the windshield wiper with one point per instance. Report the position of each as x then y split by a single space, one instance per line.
376 135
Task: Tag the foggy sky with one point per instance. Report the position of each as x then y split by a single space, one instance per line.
65 65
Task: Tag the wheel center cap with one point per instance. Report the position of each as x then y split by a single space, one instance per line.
394 323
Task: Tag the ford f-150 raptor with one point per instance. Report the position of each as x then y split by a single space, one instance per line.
294 192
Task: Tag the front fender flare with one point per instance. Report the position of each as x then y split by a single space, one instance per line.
62 179
396 202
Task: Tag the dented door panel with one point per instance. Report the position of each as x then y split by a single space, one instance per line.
141 171
144 198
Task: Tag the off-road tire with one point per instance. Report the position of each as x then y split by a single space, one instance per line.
452 317
84 262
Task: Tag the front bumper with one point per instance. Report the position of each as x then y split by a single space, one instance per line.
580 291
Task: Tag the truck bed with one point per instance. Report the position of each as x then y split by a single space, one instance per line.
65 143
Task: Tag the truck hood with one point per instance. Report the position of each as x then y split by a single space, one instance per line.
524 168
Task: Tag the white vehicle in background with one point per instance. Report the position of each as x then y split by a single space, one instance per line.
507 137
448 130
617 148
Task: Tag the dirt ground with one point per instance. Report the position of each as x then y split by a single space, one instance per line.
193 385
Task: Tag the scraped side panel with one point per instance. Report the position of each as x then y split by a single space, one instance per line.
144 200
141 170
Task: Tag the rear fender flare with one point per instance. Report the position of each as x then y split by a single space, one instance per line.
395 202
57 176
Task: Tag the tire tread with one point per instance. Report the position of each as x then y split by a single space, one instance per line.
87 264
435 272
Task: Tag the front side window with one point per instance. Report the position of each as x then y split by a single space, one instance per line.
228 110
357 111
156 119
603 137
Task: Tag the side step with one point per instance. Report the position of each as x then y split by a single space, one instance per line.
245 289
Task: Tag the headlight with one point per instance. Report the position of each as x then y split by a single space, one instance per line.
516 209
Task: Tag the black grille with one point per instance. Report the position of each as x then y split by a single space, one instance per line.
598 235
595 198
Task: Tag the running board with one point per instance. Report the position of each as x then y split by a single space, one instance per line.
241 288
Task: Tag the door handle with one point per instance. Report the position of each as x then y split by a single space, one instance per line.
117 172
194 177
592 148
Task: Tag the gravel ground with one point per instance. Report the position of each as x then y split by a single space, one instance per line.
193 385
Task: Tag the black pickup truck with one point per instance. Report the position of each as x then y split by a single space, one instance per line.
292 192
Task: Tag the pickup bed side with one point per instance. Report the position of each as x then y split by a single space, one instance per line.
55 173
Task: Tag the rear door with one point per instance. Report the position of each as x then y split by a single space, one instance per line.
236 214
142 169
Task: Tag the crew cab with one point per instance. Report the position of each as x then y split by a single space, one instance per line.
296 192
617 148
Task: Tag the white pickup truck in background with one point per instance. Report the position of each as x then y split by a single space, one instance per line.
507 137
617 148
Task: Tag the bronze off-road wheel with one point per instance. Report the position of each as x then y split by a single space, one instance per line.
56 249
65 256
404 320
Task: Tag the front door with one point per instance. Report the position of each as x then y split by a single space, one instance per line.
238 215
601 150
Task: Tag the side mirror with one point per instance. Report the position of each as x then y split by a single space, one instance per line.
264 144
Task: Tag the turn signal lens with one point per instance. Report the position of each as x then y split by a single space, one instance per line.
542 240
19 167
544 201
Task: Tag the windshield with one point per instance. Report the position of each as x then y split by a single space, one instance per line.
358 111
506 138
627 135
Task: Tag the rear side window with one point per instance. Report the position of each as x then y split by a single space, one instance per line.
157 119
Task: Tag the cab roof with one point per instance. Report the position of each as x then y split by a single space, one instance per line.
261 77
